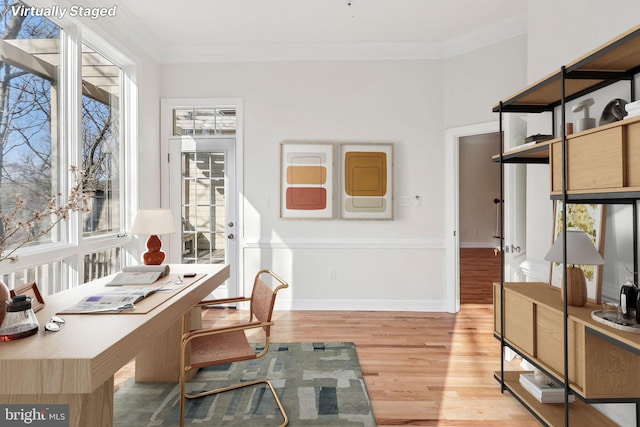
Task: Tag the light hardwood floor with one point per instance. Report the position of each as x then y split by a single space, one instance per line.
421 369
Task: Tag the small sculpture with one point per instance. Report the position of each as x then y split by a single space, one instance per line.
613 112
585 122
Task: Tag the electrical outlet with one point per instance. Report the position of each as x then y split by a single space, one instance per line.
331 273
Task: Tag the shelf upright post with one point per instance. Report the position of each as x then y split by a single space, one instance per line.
501 252
563 133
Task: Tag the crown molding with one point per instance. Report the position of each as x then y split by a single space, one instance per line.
266 52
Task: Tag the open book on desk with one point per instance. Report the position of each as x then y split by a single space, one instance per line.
139 275
112 300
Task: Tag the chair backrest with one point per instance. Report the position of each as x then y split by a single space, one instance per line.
263 298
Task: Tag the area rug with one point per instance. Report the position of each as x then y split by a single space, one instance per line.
319 384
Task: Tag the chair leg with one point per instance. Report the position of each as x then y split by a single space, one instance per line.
234 387
182 396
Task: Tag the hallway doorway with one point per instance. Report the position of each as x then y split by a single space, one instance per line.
479 190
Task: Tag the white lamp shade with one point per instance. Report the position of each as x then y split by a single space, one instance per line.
580 250
153 222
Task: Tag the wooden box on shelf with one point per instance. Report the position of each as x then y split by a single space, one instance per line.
603 159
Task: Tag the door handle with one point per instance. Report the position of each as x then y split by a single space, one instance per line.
231 236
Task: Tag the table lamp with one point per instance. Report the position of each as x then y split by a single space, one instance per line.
153 222
580 251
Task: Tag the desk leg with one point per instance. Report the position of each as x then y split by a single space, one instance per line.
93 409
160 360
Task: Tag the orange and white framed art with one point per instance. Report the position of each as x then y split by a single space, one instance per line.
306 180
366 186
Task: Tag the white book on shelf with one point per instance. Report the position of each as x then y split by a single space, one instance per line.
631 105
550 392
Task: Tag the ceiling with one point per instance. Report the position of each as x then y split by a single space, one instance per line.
237 30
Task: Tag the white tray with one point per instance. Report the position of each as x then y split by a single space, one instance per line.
597 316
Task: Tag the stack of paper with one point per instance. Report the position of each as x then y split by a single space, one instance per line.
550 392
633 109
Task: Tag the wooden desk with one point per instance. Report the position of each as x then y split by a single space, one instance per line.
75 366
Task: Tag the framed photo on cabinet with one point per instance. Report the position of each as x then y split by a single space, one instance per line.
366 185
589 218
306 180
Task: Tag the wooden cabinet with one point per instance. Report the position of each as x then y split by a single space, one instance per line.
603 362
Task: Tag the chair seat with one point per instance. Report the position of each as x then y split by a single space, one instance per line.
220 348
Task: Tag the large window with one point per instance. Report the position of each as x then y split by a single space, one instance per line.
42 135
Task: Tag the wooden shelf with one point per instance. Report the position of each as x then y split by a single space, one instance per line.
614 61
536 153
552 414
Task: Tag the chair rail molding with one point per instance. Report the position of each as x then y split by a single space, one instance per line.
344 243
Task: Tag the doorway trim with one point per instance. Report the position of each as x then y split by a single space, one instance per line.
452 193
167 105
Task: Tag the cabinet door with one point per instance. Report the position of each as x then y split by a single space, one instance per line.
519 314
550 344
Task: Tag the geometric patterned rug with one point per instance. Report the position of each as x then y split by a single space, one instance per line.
319 384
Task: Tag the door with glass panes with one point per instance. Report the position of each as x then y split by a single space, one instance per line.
202 179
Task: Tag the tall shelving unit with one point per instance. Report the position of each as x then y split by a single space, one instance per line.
602 166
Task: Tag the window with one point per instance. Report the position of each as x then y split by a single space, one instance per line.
205 121
28 119
101 141
39 142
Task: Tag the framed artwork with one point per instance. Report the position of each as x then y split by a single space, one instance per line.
366 187
30 290
306 180
590 219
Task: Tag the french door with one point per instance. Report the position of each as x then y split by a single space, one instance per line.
203 203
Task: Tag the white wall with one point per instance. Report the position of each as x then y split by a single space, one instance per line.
338 101
478 80
385 265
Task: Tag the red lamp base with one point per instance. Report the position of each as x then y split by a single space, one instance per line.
154 255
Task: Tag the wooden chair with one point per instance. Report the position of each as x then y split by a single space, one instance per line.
215 346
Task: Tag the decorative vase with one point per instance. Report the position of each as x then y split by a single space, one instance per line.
576 287
5 295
